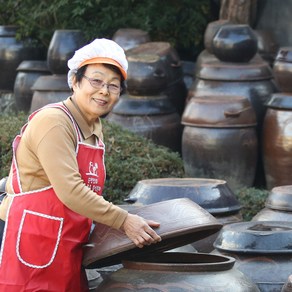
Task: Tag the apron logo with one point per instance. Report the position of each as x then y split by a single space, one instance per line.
92 169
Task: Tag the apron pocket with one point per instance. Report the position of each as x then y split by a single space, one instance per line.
38 239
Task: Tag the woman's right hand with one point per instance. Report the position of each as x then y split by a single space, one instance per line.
140 231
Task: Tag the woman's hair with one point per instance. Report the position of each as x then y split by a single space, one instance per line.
80 72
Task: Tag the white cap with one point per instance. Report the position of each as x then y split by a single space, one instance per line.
98 51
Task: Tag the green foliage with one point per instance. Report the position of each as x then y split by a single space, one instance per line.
252 201
180 22
10 126
130 158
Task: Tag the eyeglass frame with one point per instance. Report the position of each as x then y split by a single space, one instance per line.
90 80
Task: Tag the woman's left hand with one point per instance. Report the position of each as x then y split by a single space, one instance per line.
140 230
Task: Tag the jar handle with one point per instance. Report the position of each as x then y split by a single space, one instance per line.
235 113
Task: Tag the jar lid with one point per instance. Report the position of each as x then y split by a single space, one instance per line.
33 65
51 83
280 100
280 198
262 237
213 195
210 68
143 105
284 54
182 222
219 111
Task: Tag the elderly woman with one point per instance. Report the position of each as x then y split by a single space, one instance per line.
56 180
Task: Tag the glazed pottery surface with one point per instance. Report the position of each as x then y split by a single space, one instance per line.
211 194
129 38
153 117
62 47
262 250
234 43
277 146
179 272
182 221
27 73
49 89
12 53
219 139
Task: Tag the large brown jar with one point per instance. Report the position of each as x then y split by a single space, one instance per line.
219 139
277 140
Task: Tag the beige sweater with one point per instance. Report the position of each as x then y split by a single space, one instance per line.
46 156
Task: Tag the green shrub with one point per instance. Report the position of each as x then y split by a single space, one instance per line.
252 201
180 22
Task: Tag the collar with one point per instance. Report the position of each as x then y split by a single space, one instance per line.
85 129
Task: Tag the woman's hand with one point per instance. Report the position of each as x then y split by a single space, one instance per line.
139 230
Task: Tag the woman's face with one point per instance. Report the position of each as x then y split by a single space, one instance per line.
94 102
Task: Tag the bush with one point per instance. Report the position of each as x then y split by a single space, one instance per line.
180 22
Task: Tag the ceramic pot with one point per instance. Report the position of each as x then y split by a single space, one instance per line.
234 43
153 117
282 69
210 32
155 68
178 272
49 89
182 221
62 47
219 139
278 205
12 53
253 80
262 250
277 146
129 38
213 195
27 73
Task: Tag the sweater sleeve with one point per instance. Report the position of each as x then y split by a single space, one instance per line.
54 143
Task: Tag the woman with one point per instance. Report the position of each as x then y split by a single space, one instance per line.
57 175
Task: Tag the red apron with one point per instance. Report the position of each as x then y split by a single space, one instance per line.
43 239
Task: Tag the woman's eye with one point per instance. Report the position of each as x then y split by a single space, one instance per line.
97 82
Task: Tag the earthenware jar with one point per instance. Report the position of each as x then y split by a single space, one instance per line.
219 139
234 43
62 46
277 145
129 38
179 272
12 53
27 73
153 117
49 89
262 250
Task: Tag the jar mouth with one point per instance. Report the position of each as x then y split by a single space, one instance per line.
181 262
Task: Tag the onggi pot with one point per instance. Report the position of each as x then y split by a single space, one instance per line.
262 250
167 272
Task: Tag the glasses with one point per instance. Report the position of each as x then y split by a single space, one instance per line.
98 84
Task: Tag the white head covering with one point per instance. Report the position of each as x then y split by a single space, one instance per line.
98 51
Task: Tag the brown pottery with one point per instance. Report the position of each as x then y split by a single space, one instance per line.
12 53
153 117
49 89
129 38
282 69
182 221
156 68
27 73
219 139
262 250
167 272
277 140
